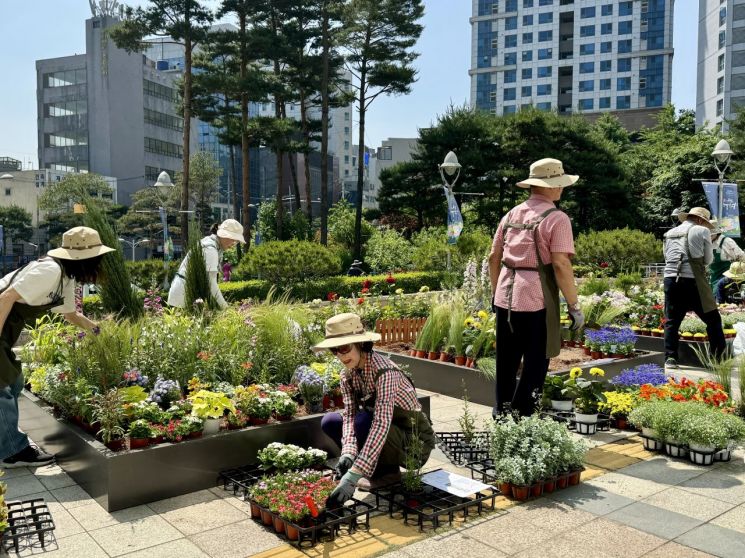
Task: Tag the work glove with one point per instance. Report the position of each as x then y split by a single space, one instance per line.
343 465
344 490
577 317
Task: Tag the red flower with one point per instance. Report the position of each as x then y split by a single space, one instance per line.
603 265
390 279
360 300
366 284
365 290
332 296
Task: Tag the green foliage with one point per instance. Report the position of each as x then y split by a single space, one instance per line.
624 250
287 261
387 250
16 222
294 227
204 180
431 248
145 273
209 404
467 421
594 286
406 190
341 225
197 279
625 281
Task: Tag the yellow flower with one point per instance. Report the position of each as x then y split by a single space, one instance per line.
482 314
399 291
319 367
575 372
597 372
468 322
424 289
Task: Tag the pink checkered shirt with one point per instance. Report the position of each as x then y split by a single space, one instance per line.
392 389
554 235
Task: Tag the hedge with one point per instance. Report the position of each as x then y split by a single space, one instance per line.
235 291
144 272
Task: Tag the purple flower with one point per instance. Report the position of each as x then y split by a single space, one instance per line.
96 330
640 375
81 335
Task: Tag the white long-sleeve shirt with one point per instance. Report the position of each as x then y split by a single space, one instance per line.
699 246
212 257
728 249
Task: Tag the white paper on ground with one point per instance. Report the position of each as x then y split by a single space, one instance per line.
454 484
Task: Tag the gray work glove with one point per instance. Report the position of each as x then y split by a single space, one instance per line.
343 465
344 490
577 317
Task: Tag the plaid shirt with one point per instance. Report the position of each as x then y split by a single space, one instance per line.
392 389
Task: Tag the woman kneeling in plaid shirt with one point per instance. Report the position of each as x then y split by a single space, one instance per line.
381 411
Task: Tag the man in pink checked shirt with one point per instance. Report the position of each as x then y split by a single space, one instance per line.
530 261
381 412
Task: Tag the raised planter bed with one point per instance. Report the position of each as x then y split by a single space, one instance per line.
447 378
130 478
686 354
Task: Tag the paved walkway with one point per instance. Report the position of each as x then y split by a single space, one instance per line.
634 504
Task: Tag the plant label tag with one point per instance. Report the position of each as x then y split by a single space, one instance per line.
454 484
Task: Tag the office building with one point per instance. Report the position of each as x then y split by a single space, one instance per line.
720 86
580 56
109 112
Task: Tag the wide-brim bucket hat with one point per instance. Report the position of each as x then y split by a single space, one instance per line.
736 271
232 229
80 243
548 173
344 329
700 212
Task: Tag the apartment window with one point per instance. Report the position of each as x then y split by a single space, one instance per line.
586 49
606 10
527 38
66 139
509 109
623 102
8 192
625 8
586 104
510 23
587 31
623 65
606 47
623 84
346 159
723 15
644 6
493 96
720 63
510 41
720 110
346 117
545 2
163 120
527 73
510 6
722 38
346 130
510 76
606 28
543 89
544 36
346 146
644 27
604 85
527 20
604 102
624 46
152 173
605 66
527 55
65 78
495 7
642 83
527 3
720 85
586 67
495 43
543 106
586 13
161 147
65 108
547 17
624 27
544 71
159 91
545 53
526 91
510 59
586 86
509 94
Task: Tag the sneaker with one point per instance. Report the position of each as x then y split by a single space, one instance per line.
30 456
671 363
366 485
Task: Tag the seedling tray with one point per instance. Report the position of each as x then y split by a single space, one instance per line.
30 525
455 447
241 479
587 428
431 507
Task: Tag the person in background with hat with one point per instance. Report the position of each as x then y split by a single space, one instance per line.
47 284
688 250
734 277
381 411
726 251
529 263
355 270
221 238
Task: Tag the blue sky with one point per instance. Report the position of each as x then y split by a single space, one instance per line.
34 29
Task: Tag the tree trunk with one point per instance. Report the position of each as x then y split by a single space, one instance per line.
360 169
325 125
186 146
245 172
306 159
295 185
234 196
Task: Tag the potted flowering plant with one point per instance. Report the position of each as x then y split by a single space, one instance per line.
586 393
283 406
259 408
164 392
210 406
311 388
618 405
139 434
553 390
108 413
237 419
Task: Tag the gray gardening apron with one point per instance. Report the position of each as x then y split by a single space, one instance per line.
708 302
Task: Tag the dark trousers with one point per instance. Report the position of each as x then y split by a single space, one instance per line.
525 342
680 298
331 424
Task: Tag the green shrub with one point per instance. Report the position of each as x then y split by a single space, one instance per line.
92 306
431 248
594 285
624 250
625 281
341 225
387 250
146 272
288 261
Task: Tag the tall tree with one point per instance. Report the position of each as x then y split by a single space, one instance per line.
407 188
204 176
379 36
187 22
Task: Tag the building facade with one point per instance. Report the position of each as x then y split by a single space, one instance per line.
109 112
720 84
581 56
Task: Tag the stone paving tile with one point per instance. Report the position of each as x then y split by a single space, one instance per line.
554 517
72 496
93 517
690 504
675 550
734 519
454 545
237 540
603 536
20 487
13 473
198 511
591 472
135 535
509 533
665 471
654 520
717 485
181 548
600 457
715 540
53 477
624 485
591 499
74 546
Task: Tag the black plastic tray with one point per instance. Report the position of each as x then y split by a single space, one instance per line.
241 479
458 451
30 525
602 425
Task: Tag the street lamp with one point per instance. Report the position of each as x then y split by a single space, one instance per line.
164 179
134 244
722 155
450 166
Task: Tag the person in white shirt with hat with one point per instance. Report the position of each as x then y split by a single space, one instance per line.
726 251
221 238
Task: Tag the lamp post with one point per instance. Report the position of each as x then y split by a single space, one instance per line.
450 167
5 176
134 244
722 155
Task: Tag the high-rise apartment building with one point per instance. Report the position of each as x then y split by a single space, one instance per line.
720 84
572 56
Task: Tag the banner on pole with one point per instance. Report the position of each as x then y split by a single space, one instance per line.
167 244
729 221
455 219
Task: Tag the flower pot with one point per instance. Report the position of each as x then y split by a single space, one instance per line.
505 488
469 362
587 350
283 418
591 418
549 485
587 429
595 354
701 448
562 405
116 445
258 421
723 455
421 354
211 426
536 489
573 477
650 444
255 510
326 402
156 440
701 458
279 524
136 443
520 493
621 423
433 355
675 450
339 401
460 360
412 352
445 357
291 531
649 432
618 355
562 480
194 435
412 503
266 517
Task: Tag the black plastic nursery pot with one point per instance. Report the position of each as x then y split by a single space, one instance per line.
30 525
460 451
130 478
447 378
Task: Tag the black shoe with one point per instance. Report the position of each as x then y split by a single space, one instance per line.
671 363
30 456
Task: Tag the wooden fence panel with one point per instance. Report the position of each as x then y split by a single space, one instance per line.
399 330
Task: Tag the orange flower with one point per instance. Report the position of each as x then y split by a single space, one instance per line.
203 355
247 365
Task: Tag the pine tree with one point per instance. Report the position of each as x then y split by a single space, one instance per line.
197 280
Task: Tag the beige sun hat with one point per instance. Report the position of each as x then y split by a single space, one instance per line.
344 329
700 212
80 243
232 229
548 173
736 271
